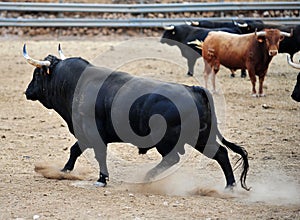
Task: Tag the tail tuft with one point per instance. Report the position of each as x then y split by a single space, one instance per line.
244 154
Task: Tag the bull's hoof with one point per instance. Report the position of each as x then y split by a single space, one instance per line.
230 187
190 74
254 95
243 73
102 181
65 170
261 95
215 92
100 184
148 178
150 175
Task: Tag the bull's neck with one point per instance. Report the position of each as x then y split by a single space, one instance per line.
262 56
61 97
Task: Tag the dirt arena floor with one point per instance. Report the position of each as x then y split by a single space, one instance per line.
33 136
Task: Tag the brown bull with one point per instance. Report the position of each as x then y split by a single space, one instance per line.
252 51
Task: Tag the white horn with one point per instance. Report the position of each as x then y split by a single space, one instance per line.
36 63
260 33
291 63
240 25
61 55
188 22
198 43
282 33
195 23
169 28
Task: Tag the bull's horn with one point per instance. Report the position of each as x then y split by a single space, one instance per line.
198 43
61 55
239 24
188 22
169 28
289 60
195 23
282 33
260 33
36 63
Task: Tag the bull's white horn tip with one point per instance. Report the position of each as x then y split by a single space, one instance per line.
62 56
24 51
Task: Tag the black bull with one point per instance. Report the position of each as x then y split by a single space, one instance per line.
101 107
296 91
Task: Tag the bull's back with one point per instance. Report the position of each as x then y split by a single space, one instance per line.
229 49
136 100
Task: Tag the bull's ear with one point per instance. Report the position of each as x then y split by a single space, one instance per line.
260 39
281 38
46 70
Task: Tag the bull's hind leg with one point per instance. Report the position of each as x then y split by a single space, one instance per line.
100 155
166 162
206 72
191 63
253 81
261 82
75 152
222 158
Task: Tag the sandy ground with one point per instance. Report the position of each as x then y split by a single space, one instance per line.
32 135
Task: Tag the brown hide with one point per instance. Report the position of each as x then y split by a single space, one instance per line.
252 51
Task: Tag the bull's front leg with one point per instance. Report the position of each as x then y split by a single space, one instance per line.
167 161
261 82
100 155
253 81
191 61
75 152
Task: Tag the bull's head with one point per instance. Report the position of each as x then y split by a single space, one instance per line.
176 34
272 38
38 88
169 34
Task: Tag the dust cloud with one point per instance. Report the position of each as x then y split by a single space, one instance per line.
275 187
53 171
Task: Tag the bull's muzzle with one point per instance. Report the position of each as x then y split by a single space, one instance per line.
273 53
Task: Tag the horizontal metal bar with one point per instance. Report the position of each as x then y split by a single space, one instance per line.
135 22
148 8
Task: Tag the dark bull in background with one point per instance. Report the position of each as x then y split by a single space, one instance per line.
296 92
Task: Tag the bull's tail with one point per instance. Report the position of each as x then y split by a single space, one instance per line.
241 151
235 148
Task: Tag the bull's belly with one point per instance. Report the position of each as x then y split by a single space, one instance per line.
233 63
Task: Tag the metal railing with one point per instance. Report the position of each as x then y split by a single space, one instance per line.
149 8
138 22
134 10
